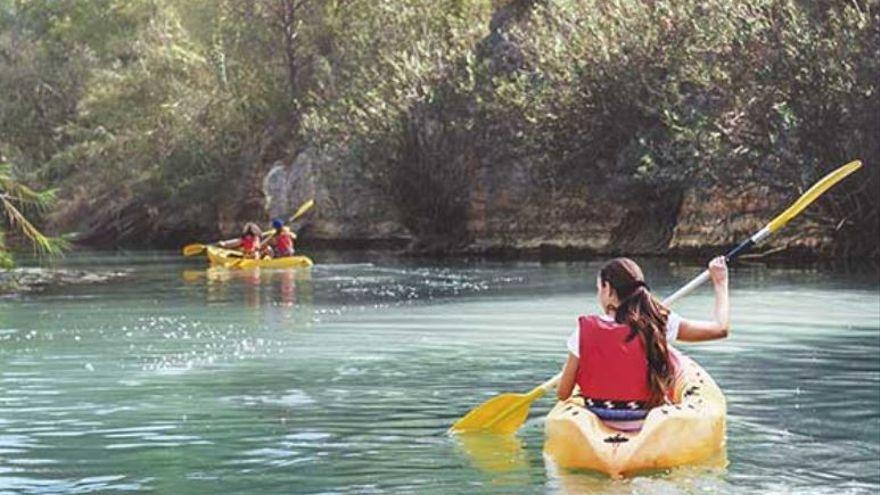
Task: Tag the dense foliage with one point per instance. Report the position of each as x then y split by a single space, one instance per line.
157 117
654 96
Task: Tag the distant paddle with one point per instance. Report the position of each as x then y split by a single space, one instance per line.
302 210
194 249
505 413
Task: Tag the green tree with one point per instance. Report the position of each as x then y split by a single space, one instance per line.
16 200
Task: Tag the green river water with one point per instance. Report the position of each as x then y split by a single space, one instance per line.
177 379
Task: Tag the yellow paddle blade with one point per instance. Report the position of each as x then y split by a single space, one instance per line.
814 192
193 249
302 209
503 414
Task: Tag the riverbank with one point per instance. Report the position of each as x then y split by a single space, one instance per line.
32 279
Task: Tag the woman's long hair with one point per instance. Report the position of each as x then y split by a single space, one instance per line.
646 317
252 229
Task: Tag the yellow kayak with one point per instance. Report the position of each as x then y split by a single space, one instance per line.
690 431
229 258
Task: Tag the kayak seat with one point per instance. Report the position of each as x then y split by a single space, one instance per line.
619 414
613 410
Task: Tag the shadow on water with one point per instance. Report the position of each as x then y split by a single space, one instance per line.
493 454
257 287
707 476
505 461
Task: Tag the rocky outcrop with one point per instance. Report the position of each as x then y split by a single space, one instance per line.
19 280
717 217
510 211
510 214
349 212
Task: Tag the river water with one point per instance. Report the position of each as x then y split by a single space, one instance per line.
176 379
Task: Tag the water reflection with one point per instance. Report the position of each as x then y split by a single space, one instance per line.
493 454
706 477
257 287
504 459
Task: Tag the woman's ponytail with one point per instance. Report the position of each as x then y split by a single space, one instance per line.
646 317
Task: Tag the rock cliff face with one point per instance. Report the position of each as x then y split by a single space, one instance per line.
717 217
508 213
350 212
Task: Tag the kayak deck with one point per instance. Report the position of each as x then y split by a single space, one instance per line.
228 258
689 431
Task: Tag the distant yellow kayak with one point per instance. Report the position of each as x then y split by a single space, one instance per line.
229 258
690 431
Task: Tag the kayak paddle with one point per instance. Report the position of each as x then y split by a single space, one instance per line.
777 223
302 210
505 413
194 249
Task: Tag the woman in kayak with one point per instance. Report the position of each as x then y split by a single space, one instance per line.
620 360
248 243
282 240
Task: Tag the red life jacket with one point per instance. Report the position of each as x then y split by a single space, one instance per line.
248 244
284 242
611 368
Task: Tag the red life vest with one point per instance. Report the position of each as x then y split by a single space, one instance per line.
284 242
611 368
249 244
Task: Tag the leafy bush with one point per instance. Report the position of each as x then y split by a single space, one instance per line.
776 92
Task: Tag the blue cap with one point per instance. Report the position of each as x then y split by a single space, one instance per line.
277 223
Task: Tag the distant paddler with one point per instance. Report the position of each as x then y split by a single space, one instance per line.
250 242
254 243
280 242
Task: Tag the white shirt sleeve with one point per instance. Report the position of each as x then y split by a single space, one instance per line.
574 342
672 324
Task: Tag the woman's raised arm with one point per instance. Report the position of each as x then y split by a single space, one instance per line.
695 331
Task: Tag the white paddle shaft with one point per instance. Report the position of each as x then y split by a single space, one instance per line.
687 289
